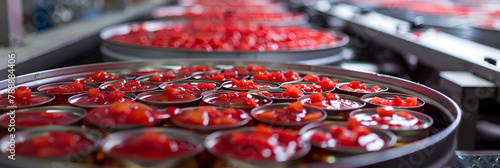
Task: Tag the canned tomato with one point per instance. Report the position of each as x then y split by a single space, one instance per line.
337 106
152 147
65 146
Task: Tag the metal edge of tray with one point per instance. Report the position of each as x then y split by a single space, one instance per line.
486 36
456 25
121 51
430 150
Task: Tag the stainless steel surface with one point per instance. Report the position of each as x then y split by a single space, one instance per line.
108 126
121 51
180 77
488 128
56 47
433 151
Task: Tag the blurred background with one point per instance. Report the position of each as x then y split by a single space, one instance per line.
450 45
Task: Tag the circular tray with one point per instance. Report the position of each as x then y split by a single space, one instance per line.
436 150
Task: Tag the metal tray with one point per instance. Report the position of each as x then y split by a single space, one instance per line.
436 150
120 51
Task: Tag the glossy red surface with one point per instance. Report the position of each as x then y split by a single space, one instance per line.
251 68
147 72
152 146
387 118
40 118
27 102
100 76
309 88
165 77
123 113
54 144
325 85
206 36
75 87
279 76
408 102
172 93
356 86
312 78
247 84
21 97
240 99
289 93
